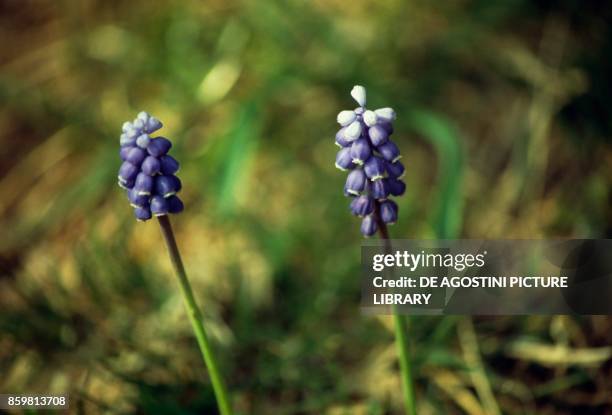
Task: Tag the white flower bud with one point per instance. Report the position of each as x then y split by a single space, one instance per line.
346 117
353 131
359 94
370 118
385 114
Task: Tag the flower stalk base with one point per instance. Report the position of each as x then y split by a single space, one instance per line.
195 317
401 330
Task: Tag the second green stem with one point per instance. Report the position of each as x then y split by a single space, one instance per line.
401 330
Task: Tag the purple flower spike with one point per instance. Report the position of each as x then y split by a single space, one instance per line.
148 171
159 146
372 159
151 166
388 211
368 226
362 206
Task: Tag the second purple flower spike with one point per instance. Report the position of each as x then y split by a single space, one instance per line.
148 171
373 160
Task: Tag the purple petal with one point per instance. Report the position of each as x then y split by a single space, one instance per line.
395 170
362 206
374 168
123 152
360 151
388 211
159 206
389 151
387 126
150 166
175 205
142 214
159 146
167 186
127 185
136 155
368 226
396 187
355 182
344 161
379 189
136 199
143 184
168 164
378 135
127 172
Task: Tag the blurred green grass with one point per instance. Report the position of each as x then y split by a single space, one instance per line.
504 124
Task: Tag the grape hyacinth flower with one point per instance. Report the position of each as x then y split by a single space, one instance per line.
366 150
375 174
148 171
148 176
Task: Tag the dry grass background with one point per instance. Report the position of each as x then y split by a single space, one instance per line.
504 122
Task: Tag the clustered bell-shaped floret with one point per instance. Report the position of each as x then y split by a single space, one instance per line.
148 171
372 159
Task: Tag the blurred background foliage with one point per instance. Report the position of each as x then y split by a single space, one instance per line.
504 121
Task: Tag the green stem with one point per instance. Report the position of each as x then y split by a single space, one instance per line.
401 337
401 330
195 317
